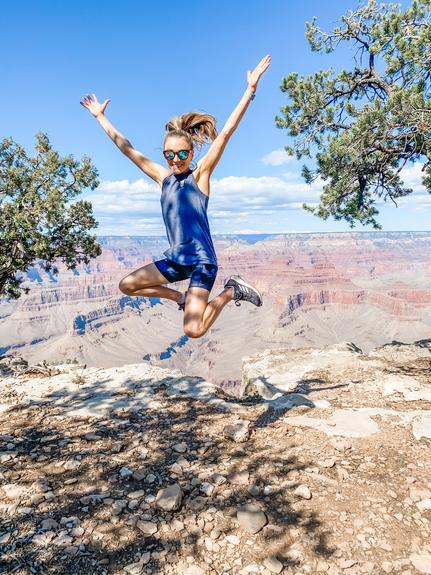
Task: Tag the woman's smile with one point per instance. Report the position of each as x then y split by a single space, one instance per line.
178 167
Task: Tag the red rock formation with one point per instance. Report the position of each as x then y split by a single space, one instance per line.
296 273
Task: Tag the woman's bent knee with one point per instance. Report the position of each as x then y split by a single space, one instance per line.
194 331
126 287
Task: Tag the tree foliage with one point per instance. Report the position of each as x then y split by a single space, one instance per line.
38 222
365 124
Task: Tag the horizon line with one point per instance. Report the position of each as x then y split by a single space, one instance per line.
273 233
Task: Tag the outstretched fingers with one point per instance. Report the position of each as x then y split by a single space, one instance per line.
253 77
93 105
86 101
263 64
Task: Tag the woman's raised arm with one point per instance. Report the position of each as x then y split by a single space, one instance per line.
207 164
155 171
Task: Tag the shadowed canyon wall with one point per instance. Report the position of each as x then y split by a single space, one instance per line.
318 289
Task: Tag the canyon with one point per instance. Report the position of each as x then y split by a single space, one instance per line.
318 289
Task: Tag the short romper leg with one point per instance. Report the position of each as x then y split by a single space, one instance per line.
171 271
203 276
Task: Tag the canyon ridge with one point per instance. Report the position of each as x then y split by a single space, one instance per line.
318 289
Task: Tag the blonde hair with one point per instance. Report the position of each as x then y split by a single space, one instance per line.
197 128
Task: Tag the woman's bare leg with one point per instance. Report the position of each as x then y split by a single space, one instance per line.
159 291
199 314
146 281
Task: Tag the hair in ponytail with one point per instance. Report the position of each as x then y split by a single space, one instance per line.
197 128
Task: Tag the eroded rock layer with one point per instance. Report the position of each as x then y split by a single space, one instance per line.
318 289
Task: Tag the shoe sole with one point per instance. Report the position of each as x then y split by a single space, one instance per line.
240 280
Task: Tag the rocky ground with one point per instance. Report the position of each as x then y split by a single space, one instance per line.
323 467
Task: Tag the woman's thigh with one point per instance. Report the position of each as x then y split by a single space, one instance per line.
196 303
146 276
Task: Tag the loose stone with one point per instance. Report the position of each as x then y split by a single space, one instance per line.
303 491
169 498
238 432
273 564
48 524
251 518
125 472
147 527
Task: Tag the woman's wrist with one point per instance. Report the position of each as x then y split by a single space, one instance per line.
250 92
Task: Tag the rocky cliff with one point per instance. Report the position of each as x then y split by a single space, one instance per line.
319 464
318 289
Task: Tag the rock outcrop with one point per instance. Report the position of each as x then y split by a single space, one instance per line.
322 466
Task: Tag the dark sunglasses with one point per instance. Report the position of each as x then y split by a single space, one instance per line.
182 154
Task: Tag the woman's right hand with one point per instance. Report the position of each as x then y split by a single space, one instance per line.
93 104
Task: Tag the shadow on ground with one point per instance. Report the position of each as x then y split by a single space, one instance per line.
71 468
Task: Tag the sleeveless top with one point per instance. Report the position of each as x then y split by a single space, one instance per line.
184 209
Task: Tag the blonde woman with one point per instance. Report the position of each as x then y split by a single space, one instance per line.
184 201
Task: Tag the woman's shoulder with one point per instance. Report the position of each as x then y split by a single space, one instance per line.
166 178
202 181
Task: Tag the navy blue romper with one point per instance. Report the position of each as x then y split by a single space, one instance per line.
191 251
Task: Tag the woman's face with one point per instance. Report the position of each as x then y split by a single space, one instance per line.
176 144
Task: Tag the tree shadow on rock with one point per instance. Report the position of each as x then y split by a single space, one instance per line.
96 480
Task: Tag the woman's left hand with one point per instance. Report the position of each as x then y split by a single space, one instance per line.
253 77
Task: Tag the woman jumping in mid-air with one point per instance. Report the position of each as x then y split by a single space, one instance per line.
184 200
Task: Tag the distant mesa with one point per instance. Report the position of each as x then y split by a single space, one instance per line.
319 289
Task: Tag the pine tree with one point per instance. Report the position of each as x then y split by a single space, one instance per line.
364 125
38 221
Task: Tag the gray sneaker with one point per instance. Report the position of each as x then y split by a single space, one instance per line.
243 291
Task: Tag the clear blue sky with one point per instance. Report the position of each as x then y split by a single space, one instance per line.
156 60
